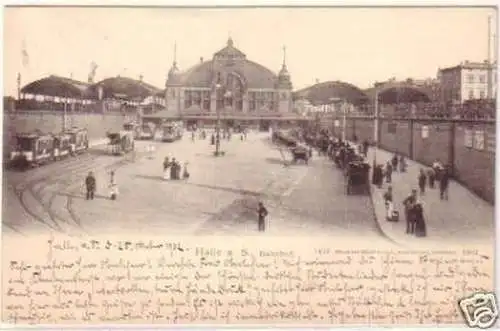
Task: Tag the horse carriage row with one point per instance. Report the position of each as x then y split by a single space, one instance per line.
38 148
299 151
347 158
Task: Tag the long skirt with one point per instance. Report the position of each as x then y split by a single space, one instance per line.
420 227
113 191
389 209
165 173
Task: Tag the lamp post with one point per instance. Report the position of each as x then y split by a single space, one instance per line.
375 128
217 124
344 119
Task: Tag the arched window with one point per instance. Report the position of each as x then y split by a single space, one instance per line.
230 94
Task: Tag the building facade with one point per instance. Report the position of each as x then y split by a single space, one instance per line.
229 86
468 81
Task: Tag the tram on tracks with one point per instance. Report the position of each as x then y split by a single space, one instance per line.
62 146
147 131
121 142
32 149
79 140
171 131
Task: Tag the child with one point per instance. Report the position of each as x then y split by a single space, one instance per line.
113 187
185 173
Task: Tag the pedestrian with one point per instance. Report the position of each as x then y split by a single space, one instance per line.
431 174
192 135
166 165
420 226
212 139
262 217
185 173
402 163
366 145
90 184
394 162
422 181
113 186
388 203
409 204
388 172
173 169
443 183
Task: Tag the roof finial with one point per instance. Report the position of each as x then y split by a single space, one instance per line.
284 56
229 39
175 53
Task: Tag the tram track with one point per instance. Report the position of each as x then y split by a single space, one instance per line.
66 175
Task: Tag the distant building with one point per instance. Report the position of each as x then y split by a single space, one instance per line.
468 81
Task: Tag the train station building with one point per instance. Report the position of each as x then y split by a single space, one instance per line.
229 87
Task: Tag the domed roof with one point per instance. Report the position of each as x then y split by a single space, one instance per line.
323 92
125 87
402 94
254 74
57 86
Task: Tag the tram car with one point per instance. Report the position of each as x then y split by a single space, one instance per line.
134 128
171 131
147 131
62 146
79 140
32 149
121 142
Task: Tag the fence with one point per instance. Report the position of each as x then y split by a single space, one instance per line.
468 146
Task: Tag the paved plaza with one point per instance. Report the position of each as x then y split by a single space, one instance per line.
220 197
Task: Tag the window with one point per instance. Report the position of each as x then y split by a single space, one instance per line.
471 94
482 79
470 78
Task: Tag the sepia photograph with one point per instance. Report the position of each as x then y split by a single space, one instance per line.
312 154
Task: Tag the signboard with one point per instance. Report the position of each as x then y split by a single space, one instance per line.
467 138
479 140
425 132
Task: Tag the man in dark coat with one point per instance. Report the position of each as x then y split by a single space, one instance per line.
409 204
90 184
262 217
444 181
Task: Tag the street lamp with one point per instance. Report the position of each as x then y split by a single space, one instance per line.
375 128
217 124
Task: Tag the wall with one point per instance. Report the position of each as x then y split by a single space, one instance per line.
47 122
445 140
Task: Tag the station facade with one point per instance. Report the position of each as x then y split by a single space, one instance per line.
232 88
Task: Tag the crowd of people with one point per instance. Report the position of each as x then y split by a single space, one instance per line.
413 204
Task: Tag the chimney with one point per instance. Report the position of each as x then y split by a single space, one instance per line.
201 59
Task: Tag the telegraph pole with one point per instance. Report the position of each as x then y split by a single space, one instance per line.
489 64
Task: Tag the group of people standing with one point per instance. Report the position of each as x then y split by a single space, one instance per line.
413 205
172 169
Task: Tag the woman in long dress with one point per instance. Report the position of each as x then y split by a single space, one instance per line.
113 187
166 165
420 226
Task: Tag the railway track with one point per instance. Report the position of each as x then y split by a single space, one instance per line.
37 189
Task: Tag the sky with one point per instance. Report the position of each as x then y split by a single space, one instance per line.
356 45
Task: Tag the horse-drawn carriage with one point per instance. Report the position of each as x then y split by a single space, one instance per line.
300 153
357 177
